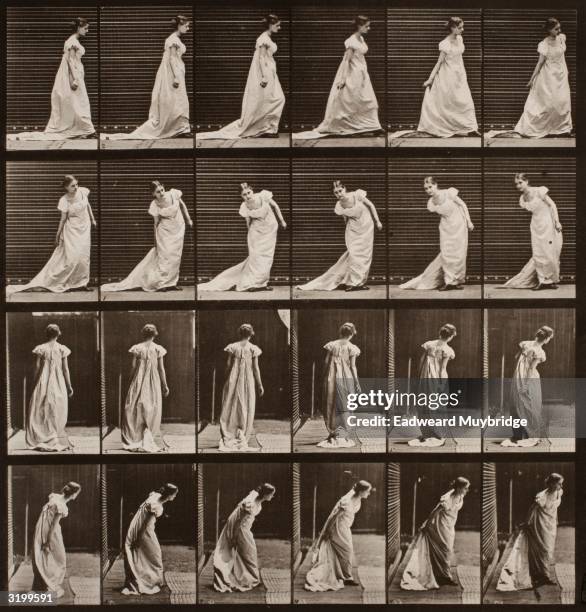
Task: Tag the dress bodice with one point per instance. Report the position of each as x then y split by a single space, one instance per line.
342 349
360 48
174 41
264 40
148 351
170 211
445 204
531 355
437 350
243 351
52 352
453 50
554 52
55 505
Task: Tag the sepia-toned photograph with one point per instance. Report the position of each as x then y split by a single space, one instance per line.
148 382
53 525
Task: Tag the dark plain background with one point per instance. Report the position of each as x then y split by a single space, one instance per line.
132 43
25 330
414 241
507 234
510 40
33 190
35 38
318 39
413 36
221 231
318 233
217 329
225 42
128 231
121 330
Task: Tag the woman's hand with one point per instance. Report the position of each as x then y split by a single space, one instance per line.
45 546
175 83
341 84
428 83
94 223
57 240
264 82
470 225
379 226
190 222
558 226
165 391
261 390
74 84
69 391
283 225
530 84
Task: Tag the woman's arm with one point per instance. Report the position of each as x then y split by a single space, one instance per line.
60 228
262 65
38 368
536 70
163 375
278 214
464 208
345 68
444 367
91 213
229 362
67 376
372 208
354 371
440 61
46 545
174 64
133 367
256 371
71 57
554 213
156 224
185 213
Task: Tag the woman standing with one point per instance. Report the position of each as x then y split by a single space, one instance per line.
70 105
239 392
448 108
542 271
526 390
235 556
49 557
141 419
263 101
448 270
143 560
48 405
159 270
68 267
352 269
253 274
333 551
352 105
433 378
169 111
433 548
531 563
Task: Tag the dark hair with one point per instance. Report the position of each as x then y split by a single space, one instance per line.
430 179
459 483
360 20
67 180
264 489
168 489
338 185
271 19
550 24
149 331
52 331
155 185
180 20
554 478
447 331
453 22
70 488
347 329
361 485
245 331
78 22
244 186
544 332
521 176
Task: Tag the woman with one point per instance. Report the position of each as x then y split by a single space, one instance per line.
433 549
68 267
48 405
141 419
253 274
263 101
433 378
49 557
333 551
143 560
531 563
352 269
235 557
159 270
448 108
352 105
526 390
448 270
169 111
542 271
70 106
340 379
239 392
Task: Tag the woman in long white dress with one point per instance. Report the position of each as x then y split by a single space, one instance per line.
448 270
448 108
141 419
542 271
69 266
70 106
526 399
239 392
263 100
253 274
353 267
433 548
235 557
48 404
352 105
433 379
169 110
531 563
143 559
333 551
159 270
49 556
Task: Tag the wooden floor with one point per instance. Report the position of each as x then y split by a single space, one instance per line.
85 441
279 142
314 431
269 435
175 438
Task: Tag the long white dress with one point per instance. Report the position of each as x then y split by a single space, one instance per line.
160 267
354 108
70 109
261 106
353 267
255 271
141 419
449 267
69 265
48 405
235 556
448 108
548 108
546 244
169 111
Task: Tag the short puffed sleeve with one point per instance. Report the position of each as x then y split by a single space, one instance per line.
266 196
542 48
176 194
154 209
448 500
63 205
255 350
161 350
231 348
353 43
330 346
154 507
243 212
542 191
40 350
72 43
264 40
448 352
562 38
444 46
360 194
541 498
428 346
65 351
84 191
344 503
172 41
136 349
353 350
452 192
